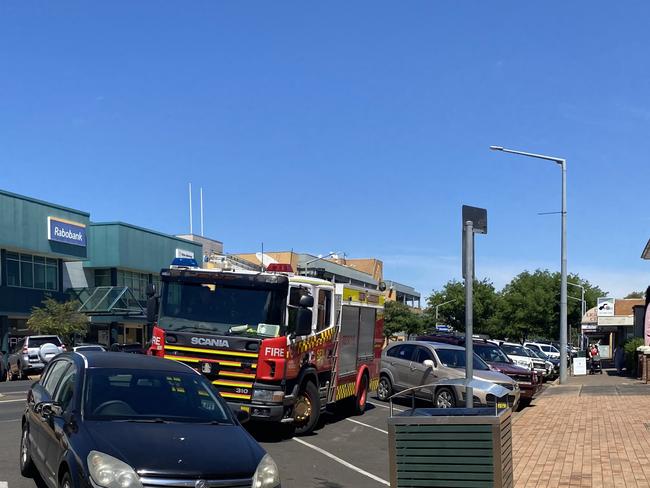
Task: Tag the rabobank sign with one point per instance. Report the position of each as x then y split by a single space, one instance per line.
66 231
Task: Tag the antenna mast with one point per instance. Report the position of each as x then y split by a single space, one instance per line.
190 184
201 193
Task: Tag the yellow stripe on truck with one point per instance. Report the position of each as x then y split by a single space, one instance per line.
234 395
213 351
240 384
234 364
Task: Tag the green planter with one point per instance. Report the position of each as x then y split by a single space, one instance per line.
448 448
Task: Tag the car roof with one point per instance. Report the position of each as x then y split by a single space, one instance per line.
100 359
435 345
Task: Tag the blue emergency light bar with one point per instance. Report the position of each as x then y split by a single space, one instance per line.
184 263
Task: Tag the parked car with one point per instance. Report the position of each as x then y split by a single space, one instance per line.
528 381
89 347
547 349
414 363
103 419
550 365
520 355
31 354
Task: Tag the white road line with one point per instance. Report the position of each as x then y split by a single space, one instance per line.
9 401
341 461
369 426
387 407
4 484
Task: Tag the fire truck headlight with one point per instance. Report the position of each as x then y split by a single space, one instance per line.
273 396
267 474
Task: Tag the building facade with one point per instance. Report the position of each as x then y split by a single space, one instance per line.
37 241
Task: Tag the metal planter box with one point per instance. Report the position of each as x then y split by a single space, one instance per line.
454 447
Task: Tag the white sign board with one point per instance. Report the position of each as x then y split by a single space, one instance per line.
589 327
182 253
579 366
605 307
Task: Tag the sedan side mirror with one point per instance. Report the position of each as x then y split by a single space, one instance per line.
429 363
50 409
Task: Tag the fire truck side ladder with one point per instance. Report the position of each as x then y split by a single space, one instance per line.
333 383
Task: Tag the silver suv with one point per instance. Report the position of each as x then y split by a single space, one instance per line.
31 354
415 363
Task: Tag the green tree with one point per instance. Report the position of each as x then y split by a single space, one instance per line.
58 318
529 306
453 313
635 294
398 317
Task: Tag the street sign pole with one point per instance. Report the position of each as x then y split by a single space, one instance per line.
469 316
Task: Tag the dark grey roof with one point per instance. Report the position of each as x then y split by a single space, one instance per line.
119 360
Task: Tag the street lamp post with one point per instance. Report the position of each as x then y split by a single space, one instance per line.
563 271
307 263
441 304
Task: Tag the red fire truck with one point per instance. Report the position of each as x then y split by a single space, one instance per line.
279 346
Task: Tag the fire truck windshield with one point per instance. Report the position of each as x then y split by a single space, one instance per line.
217 309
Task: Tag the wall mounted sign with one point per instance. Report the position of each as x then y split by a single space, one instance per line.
66 231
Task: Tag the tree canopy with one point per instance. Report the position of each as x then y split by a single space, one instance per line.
58 318
452 313
527 307
399 317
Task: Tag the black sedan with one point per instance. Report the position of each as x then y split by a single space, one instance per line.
113 420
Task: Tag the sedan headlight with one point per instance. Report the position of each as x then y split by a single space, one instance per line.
108 472
267 474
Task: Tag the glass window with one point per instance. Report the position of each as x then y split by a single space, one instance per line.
393 352
406 352
54 374
102 277
39 273
455 358
422 355
145 395
39 341
65 391
324 309
491 354
13 271
27 271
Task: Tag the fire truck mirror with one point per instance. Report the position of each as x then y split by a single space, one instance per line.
306 301
152 309
303 326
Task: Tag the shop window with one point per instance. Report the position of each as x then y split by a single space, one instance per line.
27 271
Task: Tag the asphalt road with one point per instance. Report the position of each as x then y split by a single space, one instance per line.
344 452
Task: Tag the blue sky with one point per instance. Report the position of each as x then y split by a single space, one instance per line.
353 126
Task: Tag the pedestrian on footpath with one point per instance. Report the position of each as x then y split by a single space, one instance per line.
619 359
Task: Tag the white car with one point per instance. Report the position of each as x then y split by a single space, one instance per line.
517 353
548 349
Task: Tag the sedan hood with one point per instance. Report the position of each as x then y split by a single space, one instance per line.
179 449
507 368
493 376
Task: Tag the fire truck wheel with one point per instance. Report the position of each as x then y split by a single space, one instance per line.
384 389
306 410
360 400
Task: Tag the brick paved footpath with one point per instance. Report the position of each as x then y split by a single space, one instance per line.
590 432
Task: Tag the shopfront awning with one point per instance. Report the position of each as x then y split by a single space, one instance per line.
109 300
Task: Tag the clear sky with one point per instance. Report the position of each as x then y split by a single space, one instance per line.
342 126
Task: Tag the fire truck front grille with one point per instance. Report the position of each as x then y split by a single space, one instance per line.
236 368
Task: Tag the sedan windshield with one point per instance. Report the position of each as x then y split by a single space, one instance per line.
151 396
491 354
455 358
214 308
515 350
